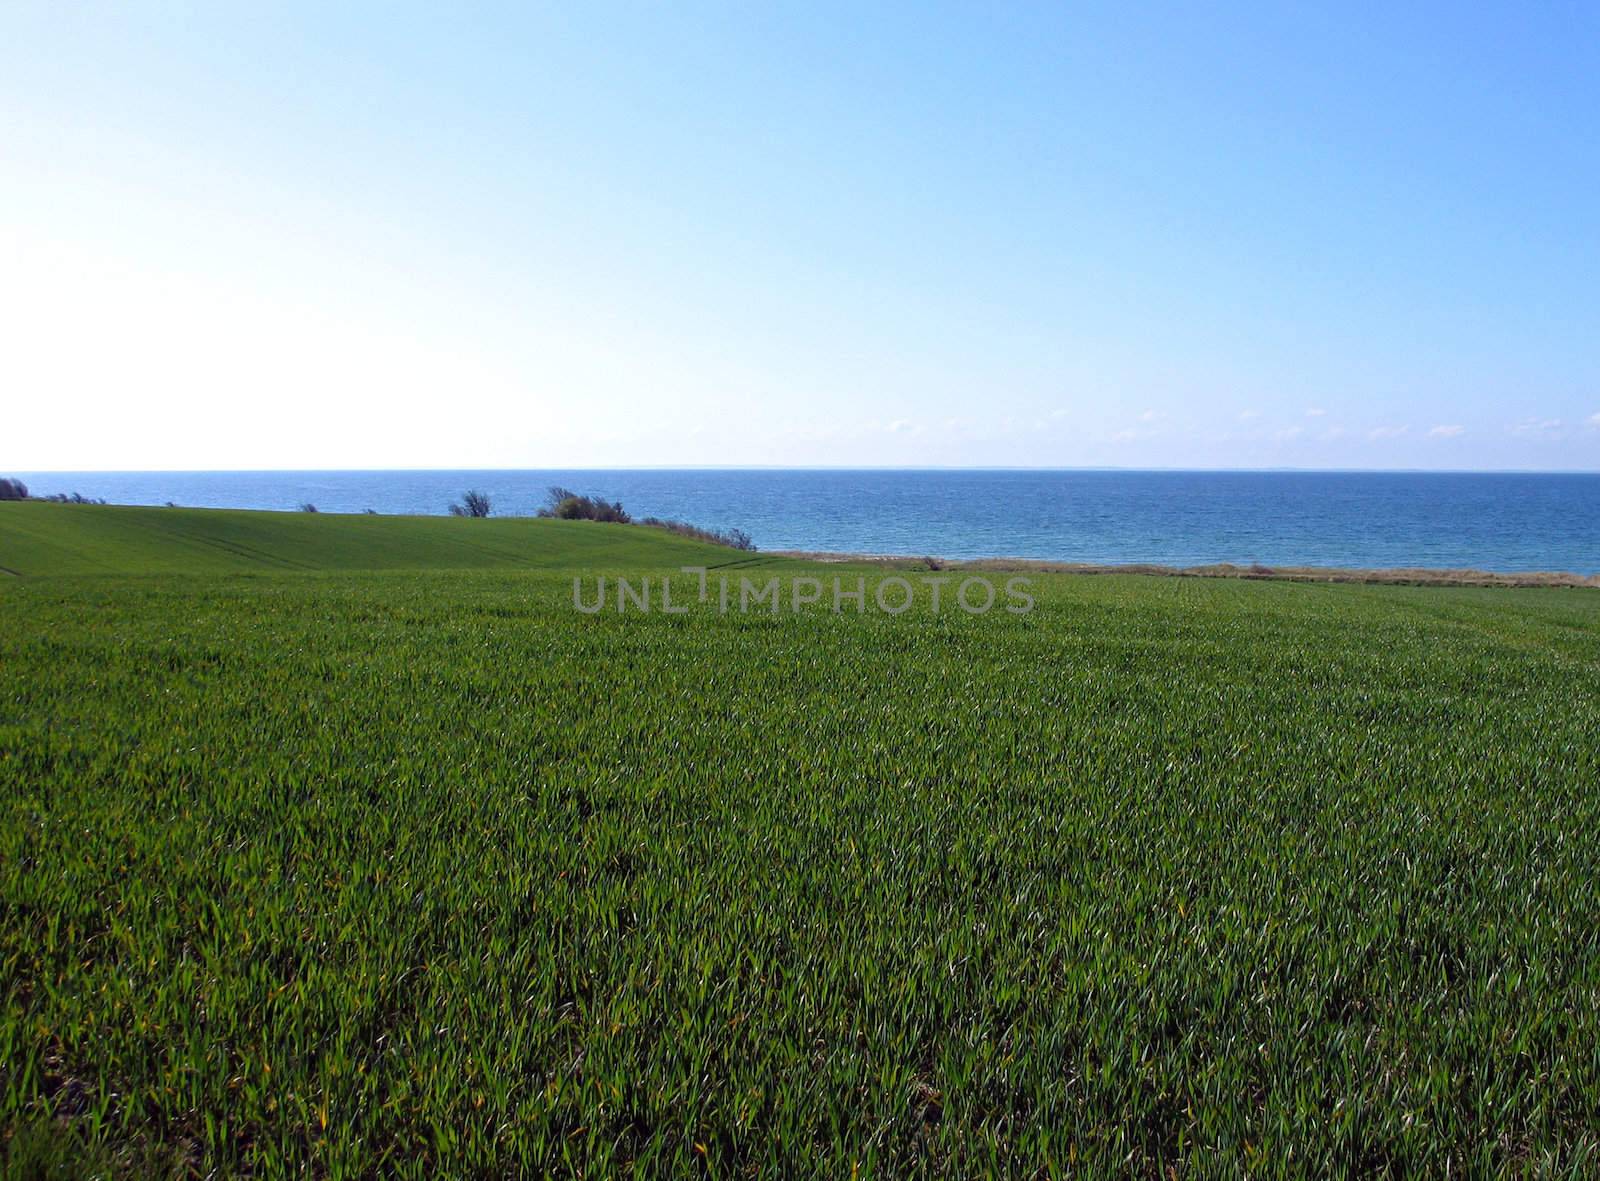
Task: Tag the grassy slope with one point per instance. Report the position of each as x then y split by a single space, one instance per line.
39 538
433 876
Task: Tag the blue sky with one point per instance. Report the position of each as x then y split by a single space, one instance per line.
1200 236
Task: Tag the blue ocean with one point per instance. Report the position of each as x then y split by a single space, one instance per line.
1495 521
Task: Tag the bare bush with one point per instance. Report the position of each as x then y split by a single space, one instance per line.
13 490
472 504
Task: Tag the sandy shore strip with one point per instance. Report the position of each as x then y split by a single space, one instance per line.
1399 576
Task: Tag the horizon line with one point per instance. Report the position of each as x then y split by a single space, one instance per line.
778 467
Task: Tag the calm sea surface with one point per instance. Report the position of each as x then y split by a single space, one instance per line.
1493 522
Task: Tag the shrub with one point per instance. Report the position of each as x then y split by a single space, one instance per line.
308 507
563 504
733 538
566 505
472 504
554 498
13 490
73 498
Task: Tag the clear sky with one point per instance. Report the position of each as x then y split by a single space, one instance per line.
241 235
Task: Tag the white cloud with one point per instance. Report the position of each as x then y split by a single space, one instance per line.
1537 428
1247 415
1315 412
1594 422
1290 432
1447 432
1151 416
1387 432
901 425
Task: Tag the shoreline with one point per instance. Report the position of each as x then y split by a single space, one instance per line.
1395 576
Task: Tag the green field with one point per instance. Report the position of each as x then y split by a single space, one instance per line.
344 846
40 538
